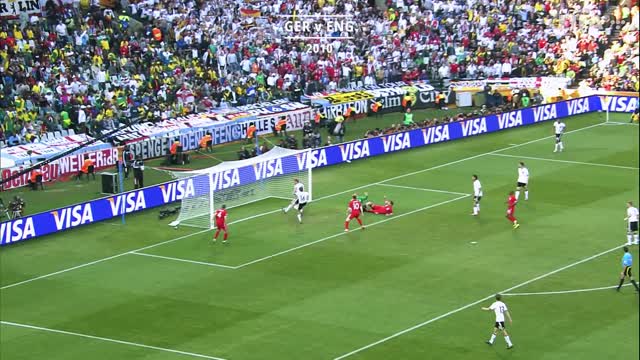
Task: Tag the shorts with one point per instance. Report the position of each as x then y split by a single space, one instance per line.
353 215
521 184
477 199
499 325
511 211
558 138
626 271
301 206
633 226
221 227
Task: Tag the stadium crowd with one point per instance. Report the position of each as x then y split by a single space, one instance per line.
90 68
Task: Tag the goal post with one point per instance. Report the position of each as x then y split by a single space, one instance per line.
242 182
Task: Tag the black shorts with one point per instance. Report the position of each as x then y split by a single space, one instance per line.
301 206
477 199
626 271
520 184
633 226
558 138
499 325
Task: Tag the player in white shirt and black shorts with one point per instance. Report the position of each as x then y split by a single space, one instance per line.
632 220
477 195
297 187
523 181
559 128
303 200
500 309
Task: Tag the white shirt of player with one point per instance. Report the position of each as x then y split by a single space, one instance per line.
298 187
303 197
523 175
499 309
477 188
559 126
632 214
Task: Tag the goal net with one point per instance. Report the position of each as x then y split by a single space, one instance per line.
237 183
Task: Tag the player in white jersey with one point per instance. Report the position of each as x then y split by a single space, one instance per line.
303 200
477 195
297 187
559 127
523 181
500 309
632 220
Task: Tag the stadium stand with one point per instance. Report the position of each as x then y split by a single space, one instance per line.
85 68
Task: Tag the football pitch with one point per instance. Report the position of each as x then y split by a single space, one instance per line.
409 286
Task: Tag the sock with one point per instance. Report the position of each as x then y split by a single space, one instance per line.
556 148
493 338
359 221
629 239
635 238
620 285
526 195
635 284
561 146
517 194
508 340
288 208
226 235
300 217
475 210
216 235
478 207
346 225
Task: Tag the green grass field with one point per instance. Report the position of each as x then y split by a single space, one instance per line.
410 286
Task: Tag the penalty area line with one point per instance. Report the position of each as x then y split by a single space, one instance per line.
564 291
422 189
566 161
447 314
104 339
393 217
183 260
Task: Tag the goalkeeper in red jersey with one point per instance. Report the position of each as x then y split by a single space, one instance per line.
386 209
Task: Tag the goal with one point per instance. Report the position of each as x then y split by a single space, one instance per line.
237 183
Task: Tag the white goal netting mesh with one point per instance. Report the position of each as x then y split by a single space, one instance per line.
237 183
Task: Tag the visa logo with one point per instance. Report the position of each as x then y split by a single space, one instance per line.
72 216
620 104
395 142
267 169
129 202
544 113
578 106
355 150
225 179
474 127
510 119
435 134
177 190
16 230
311 159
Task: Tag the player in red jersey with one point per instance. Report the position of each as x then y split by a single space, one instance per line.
354 210
220 217
386 209
511 209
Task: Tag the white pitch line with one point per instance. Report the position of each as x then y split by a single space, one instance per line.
95 262
271 212
422 189
186 353
567 161
399 333
565 291
485 154
183 260
393 217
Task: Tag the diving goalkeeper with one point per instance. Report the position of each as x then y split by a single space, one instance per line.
386 209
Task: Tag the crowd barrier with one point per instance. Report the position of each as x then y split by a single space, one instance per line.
158 195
